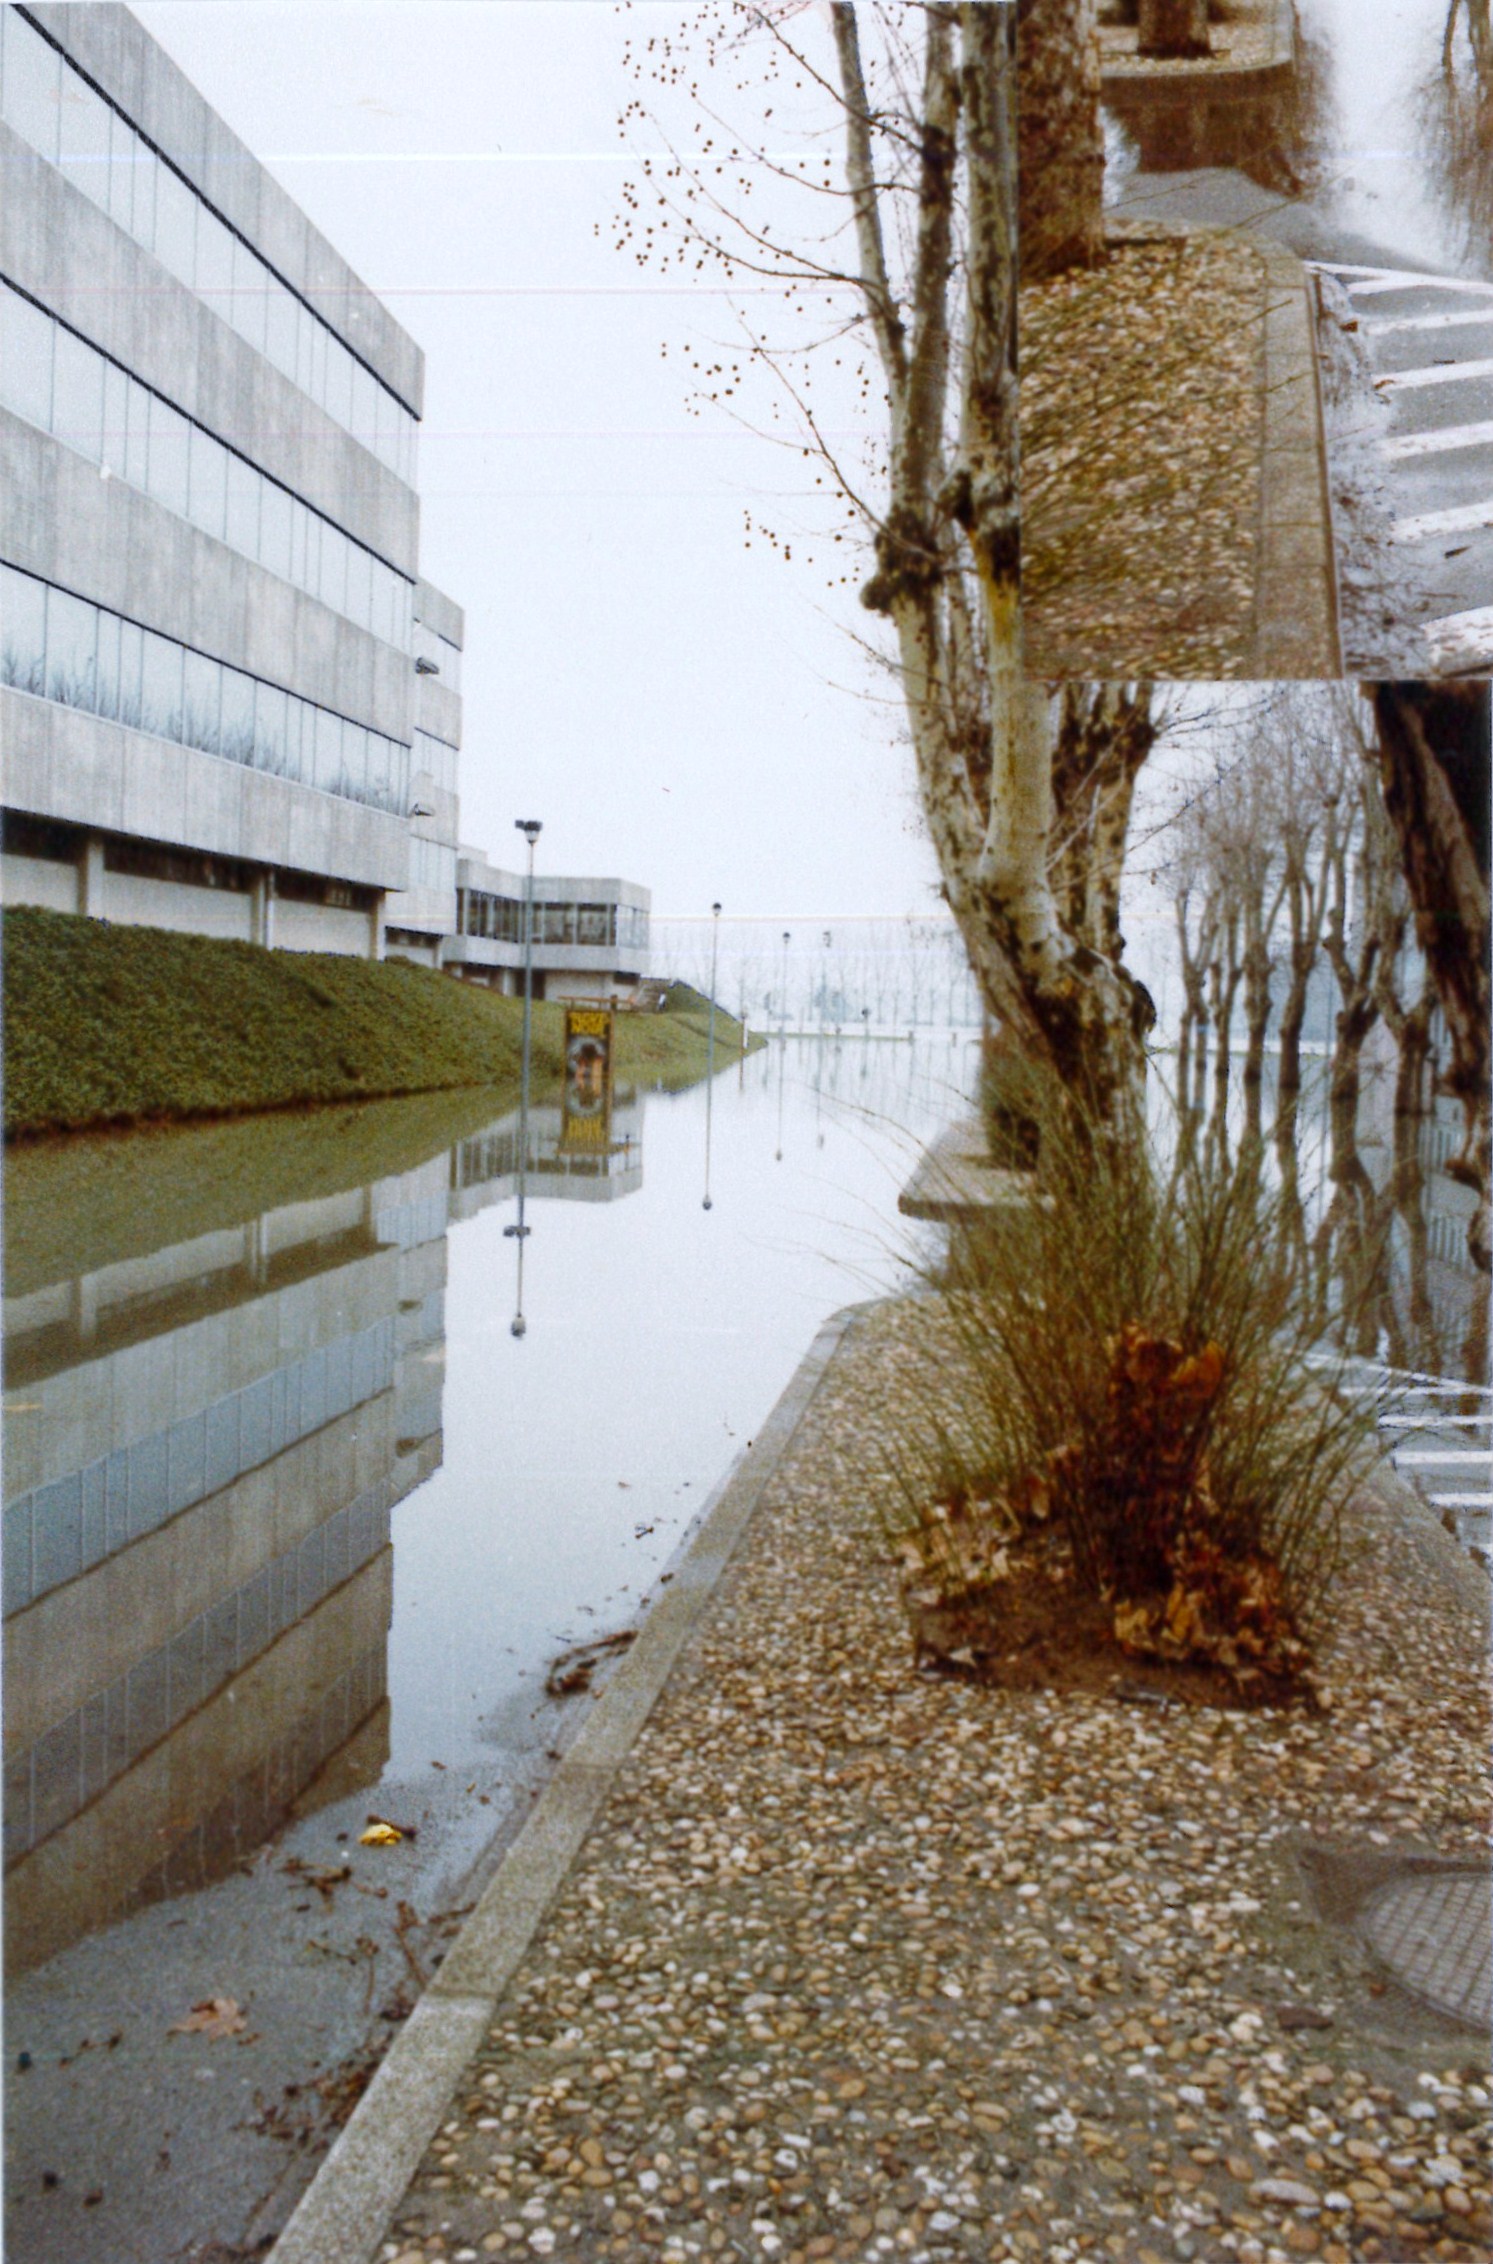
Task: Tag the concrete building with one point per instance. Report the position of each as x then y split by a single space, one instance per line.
228 701
207 440
590 937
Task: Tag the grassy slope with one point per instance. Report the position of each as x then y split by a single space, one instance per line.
118 1025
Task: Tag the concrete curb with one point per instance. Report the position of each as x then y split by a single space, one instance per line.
341 2217
1296 628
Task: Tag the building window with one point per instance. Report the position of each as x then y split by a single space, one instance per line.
63 648
57 380
48 101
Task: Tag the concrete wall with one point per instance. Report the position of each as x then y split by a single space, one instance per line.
58 762
57 245
118 54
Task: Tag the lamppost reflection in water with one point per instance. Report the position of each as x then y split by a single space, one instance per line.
530 828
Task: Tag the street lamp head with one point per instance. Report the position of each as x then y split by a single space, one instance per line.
530 828
715 908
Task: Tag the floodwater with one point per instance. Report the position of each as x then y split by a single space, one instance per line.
1370 148
295 1527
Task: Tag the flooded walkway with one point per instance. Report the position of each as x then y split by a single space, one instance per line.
295 1529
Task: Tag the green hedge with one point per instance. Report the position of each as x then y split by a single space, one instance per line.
124 1025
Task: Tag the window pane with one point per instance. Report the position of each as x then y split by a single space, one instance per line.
85 137
249 278
332 582
23 630
209 482
26 358
298 517
137 436
160 686
339 388
271 707
236 731
215 264
33 85
116 420
176 225
170 453
78 396
202 694
281 328
146 167
107 673
328 771
274 528
72 633
243 506
131 669
359 584
122 147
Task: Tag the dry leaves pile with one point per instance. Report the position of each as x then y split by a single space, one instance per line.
1140 446
1134 1514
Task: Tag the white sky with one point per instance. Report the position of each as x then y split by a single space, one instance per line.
675 707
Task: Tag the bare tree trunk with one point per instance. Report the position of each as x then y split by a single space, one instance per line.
1174 28
1433 755
1061 138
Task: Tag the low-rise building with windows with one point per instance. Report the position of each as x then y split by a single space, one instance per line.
590 937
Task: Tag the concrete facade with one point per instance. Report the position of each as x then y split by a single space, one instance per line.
268 796
228 702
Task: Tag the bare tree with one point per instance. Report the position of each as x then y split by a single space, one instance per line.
928 119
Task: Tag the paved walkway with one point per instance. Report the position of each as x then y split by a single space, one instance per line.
859 1964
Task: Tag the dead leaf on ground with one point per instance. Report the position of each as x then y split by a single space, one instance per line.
380 1835
215 2016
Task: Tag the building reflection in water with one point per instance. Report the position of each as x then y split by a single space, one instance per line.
203 1445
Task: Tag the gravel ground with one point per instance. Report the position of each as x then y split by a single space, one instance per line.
859 1964
1140 448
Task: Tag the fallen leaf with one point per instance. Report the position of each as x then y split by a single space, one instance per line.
380 1835
215 2016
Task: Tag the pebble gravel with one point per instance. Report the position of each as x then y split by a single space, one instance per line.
1141 430
859 1964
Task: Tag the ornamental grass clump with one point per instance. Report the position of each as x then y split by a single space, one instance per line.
1149 1435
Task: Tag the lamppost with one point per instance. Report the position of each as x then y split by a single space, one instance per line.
715 941
530 828
783 1021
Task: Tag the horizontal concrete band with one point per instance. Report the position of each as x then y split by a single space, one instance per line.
341 2218
1296 629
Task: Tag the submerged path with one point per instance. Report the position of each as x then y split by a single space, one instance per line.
859 1964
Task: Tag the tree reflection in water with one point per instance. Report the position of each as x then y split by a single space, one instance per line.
1455 114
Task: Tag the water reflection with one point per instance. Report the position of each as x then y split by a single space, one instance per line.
1454 109
1273 124
1374 141
204 1443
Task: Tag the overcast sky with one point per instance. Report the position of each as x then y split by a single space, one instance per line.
676 707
